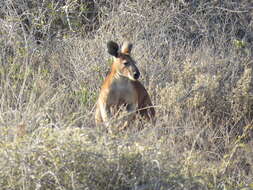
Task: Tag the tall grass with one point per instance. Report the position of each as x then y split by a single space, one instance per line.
195 59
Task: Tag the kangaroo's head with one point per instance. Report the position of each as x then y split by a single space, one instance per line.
123 64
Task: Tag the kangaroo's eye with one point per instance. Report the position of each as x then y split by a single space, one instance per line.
126 63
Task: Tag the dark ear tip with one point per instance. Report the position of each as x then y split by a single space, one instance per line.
112 48
109 43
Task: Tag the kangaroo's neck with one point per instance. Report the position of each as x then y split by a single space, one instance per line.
117 77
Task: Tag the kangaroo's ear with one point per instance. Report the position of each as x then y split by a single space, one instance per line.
113 48
126 47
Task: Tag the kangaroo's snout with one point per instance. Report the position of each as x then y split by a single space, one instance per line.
136 75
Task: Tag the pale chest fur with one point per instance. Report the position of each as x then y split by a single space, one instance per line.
121 92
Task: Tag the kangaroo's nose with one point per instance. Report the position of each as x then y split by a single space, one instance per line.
136 75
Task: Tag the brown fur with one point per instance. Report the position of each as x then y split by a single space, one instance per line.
121 87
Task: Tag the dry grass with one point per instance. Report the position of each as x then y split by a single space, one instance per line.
195 59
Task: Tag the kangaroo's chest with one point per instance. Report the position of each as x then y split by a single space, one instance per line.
122 92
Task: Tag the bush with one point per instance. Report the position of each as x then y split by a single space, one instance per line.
195 61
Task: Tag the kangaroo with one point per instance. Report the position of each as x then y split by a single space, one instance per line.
122 88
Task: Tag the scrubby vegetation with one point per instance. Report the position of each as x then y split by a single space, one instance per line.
195 59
